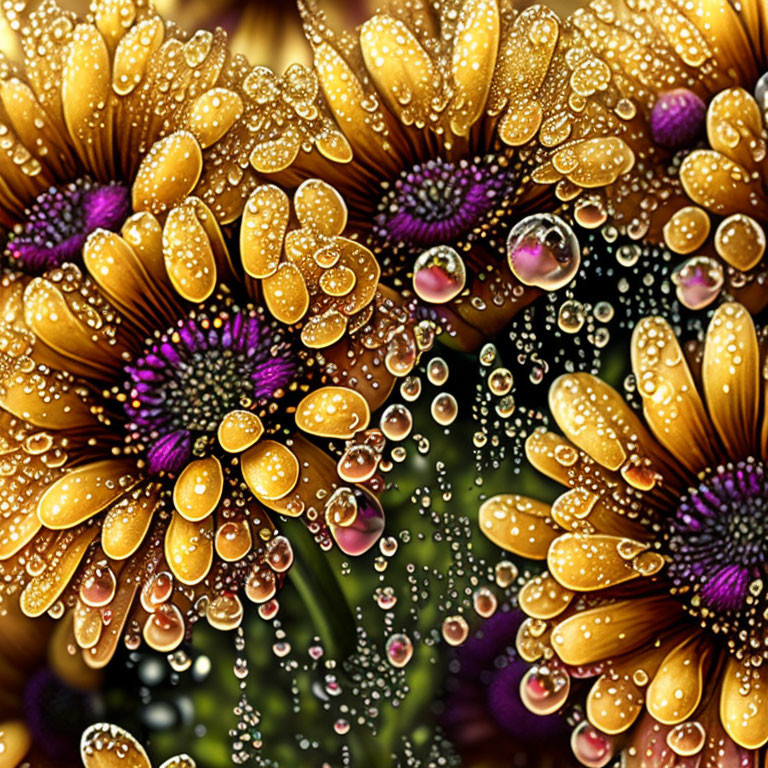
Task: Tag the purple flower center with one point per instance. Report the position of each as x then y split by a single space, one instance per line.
677 119
59 221
196 373
438 201
719 541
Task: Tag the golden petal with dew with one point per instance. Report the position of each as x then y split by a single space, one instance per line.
717 183
598 162
676 689
189 255
15 741
286 294
612 629
671 404
276 155
595 418
333 412
542 597
740 241
323 330
168 173
475 47
85 86
239 430
270 469
212 114
108 746
262 230
518 524
83 492
133 54
687 230
143 232
520 122
735 126
613 704
189 548
731 376
18 526
44 589
87 625
744 704
198 489
320 207
113 18
403 71
589 562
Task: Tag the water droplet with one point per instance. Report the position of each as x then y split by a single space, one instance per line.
437 371
591 748
687 739
571 316
444 409
484 602
396 422
455 630
698 281
544 690
543 251
439 275
399 649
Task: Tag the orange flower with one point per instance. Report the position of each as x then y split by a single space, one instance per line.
692 76
449 124
656 554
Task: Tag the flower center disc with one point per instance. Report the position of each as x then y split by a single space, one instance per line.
719 547
438 201
196 373
59 221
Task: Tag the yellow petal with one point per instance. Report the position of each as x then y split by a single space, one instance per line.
133 53
15 741
270 470
189 255
687 229
109 746
212 114
198 489
717 183
675 691
613 704
239 430
518 524
744 704
168 173
475 46
612 629
402 70
262 230
85 491
320 207
333 412
731 376
286 294
671 404
189 548
127 522
85 83
542 597
589 562
43 590
323 330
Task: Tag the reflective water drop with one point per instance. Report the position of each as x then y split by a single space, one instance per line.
571 316
439 275
437 371
687 739
156 591
164 629
98 587
591 748
544 690
444 409
358 464
341 508
505 572
410 388
484 602
399 649
455 630
396 422
365 530
225 611
543 251
261 584
698 281
500 381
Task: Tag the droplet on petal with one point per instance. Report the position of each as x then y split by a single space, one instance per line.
698 281
365 530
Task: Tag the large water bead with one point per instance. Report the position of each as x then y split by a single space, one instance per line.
698 281
543 251
439 275
365 529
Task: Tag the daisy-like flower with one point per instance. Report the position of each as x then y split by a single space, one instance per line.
105 745
458 119
114 119
656 554
148 435
695 76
